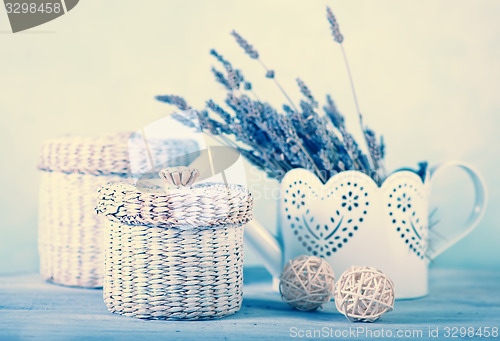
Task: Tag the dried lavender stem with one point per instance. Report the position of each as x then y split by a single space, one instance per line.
278 165
228 142
239 92
355 97
352 86
255 55
284 93
278 85
382 169
349 152
223 140
301 146
318 172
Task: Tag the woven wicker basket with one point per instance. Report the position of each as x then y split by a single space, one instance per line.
70 236
175 255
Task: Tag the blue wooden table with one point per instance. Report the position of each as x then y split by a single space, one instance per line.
31 309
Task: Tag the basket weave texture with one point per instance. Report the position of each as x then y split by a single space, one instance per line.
70 235
175 255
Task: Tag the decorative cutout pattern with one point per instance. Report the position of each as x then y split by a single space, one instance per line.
323 238
407 219
322 219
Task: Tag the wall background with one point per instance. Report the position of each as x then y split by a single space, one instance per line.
427 75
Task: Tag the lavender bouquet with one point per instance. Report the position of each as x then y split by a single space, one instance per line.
274 140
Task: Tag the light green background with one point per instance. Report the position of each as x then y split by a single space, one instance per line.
427 76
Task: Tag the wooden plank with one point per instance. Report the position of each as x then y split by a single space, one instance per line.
30 309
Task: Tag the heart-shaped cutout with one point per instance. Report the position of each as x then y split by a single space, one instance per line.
323 219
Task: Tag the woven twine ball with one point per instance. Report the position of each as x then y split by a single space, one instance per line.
364 294
306 283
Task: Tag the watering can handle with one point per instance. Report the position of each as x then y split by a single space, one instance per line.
477 210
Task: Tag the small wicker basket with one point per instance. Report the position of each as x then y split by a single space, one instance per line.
177 254
70 236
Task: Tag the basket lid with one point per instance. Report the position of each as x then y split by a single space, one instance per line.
108 154
202 205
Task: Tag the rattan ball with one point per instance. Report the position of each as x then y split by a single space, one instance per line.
364 294
306 283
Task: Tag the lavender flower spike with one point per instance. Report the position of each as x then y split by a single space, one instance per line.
373 146
178 101
307 93
337 36
333 114
220 58
245 45
275 141
220 78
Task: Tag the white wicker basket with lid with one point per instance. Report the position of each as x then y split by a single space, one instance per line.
174 254
72 168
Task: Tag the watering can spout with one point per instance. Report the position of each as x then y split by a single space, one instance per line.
265 246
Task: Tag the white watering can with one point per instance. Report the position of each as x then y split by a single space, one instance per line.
351 220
